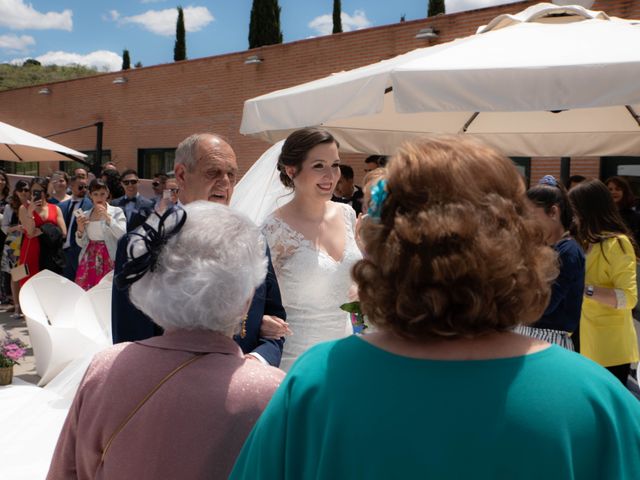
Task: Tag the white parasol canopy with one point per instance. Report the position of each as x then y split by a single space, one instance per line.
17 145
549 81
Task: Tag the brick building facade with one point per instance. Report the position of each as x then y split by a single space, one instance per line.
146 112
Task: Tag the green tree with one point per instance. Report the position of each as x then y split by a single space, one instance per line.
264 27
337 20
436 7
126 60
138 65
32 62
180 49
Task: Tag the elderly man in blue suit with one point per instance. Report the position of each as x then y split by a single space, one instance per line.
206 169
79 201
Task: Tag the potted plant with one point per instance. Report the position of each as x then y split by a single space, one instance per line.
11 350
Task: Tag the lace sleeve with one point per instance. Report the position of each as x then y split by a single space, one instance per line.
350 217
282 241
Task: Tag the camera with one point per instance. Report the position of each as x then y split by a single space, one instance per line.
36 195
78 213
166 194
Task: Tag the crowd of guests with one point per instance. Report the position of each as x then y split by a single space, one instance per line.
476 291
70 224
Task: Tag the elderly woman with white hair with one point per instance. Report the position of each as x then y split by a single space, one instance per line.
182 404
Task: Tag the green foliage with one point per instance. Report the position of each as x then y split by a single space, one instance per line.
180 49
337 20
436 7
138 65
126 60
264 27
14 76
31 61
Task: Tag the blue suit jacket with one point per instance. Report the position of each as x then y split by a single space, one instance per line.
129 324
141 210
71 254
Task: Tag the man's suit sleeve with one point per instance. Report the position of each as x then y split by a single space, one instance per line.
271 350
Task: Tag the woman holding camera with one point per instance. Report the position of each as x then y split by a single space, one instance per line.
34 216
98 233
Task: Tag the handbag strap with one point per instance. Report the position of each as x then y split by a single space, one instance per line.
144 400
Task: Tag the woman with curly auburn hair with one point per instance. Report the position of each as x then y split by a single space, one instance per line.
454 261
607 335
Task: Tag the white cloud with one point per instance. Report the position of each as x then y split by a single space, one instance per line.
324 23
14 44
102 60
163 22
453 6
17 15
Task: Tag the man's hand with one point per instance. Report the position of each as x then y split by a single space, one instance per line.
274 328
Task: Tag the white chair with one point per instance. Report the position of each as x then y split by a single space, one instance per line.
100 297
61 321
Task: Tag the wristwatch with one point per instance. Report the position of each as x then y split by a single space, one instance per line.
588 291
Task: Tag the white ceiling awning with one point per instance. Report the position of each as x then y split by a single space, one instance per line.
549 81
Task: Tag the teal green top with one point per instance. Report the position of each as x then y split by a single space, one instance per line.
348 409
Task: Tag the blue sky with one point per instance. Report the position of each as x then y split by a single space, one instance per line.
95 32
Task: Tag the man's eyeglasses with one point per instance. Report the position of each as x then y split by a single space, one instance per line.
174 190
129 182
82 187
155 184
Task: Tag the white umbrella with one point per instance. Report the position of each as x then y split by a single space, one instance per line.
550 81
17 145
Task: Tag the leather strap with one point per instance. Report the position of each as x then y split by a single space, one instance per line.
144 400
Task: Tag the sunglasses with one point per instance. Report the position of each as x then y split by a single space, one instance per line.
82 187
22 190
155 184
174 190
129 182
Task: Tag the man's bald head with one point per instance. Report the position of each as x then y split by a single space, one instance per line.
205 168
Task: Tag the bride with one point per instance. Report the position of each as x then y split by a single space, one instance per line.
312 243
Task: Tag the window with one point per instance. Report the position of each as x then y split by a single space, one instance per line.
21 168
70 166
523 165
155 160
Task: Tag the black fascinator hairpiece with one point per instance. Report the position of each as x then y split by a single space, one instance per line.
146 242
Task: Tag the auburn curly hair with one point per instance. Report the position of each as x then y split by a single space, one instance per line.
457 251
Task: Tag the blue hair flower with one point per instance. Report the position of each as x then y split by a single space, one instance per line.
378 196
548 180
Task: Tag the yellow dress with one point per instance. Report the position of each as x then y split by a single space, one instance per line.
607 335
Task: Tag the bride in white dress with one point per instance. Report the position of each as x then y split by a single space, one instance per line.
312 242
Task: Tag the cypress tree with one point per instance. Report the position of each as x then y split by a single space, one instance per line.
435 7
180 49
264 26
337 20
126 60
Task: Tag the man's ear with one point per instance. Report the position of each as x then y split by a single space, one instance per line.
179 171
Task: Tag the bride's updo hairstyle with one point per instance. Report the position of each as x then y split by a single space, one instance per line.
456 251
297 146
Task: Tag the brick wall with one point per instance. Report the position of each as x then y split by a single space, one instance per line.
161 105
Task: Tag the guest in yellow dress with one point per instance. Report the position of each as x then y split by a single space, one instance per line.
607 334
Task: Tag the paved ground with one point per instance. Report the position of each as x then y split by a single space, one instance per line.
18 328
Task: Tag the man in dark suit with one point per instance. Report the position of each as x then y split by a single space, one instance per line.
206 169
78 201
136 207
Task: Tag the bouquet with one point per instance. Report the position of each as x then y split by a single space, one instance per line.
11 350
357 317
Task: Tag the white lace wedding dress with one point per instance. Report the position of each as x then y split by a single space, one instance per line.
312 283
